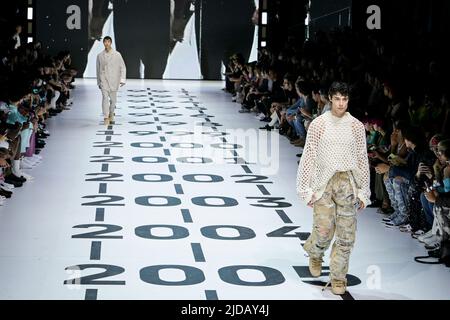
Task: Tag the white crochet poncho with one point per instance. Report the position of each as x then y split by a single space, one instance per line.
333 145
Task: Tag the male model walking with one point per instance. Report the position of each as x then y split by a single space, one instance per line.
333 178
111 73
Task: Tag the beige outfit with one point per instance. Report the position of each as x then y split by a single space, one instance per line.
111 71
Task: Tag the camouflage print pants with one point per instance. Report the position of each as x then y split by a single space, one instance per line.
334 213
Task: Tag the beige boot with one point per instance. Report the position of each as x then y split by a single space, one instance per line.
106 120
338 286
315 267
111 117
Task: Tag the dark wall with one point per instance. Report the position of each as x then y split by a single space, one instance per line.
52 30
286 19
328 14
407 17
223 27
400 16
409 24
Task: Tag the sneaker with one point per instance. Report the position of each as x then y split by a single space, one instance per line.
2 187
13 177
425 236
6 185
26 176
431 241
390 218
315 267
406 228
4 193
14 181
433 246
418 233
399 221
244 110
267 127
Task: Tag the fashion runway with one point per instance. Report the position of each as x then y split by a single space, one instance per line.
181 198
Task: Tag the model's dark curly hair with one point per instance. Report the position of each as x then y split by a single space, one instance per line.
339 88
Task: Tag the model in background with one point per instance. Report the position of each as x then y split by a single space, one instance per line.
333 178
16 37
111 74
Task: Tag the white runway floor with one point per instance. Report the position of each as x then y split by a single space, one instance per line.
168 204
